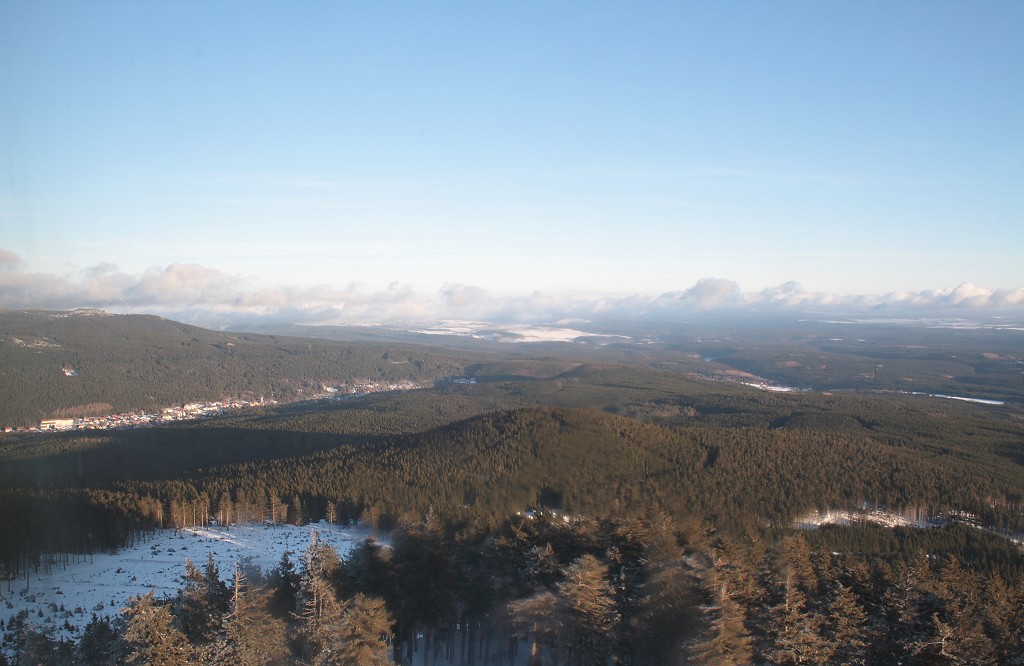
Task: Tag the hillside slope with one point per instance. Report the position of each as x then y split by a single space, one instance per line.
585 461
61 364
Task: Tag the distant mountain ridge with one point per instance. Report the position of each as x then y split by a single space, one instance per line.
65 363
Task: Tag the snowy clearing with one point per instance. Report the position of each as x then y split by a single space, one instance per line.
816 519
102 583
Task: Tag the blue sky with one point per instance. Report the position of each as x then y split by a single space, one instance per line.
262 155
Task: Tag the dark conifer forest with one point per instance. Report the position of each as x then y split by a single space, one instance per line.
563 506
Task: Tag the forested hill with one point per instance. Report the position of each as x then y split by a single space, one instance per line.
68 364
79 493
590 462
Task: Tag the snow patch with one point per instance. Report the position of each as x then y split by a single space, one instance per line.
512 333
816 519
66 598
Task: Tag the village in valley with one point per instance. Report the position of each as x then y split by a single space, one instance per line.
193 410
199 410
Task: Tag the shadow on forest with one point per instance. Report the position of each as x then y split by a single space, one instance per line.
102 459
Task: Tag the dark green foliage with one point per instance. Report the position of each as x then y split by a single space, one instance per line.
201 602
284 581
804 606
369 570
101 643
597 463
481 468
975 549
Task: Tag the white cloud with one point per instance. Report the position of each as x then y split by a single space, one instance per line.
205 295
711 293
8 260
460 296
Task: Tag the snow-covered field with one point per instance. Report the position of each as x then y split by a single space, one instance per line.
512 333
66 597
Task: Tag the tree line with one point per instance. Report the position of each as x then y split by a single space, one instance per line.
544 588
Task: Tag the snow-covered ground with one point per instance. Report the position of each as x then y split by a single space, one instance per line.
957 397
512 333
816 519
103 583
765 386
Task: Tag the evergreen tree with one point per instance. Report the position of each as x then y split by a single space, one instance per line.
284 581
28 644
729 588
908 609
296 514
791 632
665 616
150 635
427 581
225 509
792 559
14 636
844 626
318 610
727 641
588 609
543 567
100 644
1003 613
538 617
41 647
364 631
957 635
368 569
662 594
791 627
252 636
201 602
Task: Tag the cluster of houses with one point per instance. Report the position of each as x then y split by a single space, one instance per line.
362 388
194 410
197 410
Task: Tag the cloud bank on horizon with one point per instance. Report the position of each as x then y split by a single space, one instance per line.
211 297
